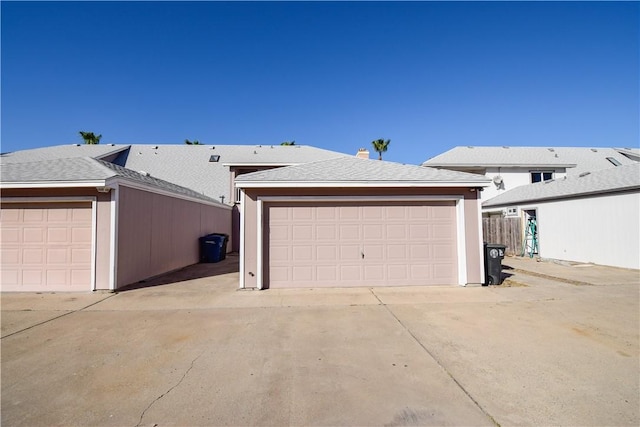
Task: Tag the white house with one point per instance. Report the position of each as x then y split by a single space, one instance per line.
592 218
511 167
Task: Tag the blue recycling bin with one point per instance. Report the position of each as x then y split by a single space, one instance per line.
211 248
223 239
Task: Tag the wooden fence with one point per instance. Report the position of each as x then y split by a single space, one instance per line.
503 231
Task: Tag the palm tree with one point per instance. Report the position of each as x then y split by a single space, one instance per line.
90 137
194 142
288 143
380 146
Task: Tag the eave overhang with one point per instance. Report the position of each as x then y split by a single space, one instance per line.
361 184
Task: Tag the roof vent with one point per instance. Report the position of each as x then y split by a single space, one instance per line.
614 162
584 174
214 158
504 146
594 150
551 149
143 173
213 147
155 148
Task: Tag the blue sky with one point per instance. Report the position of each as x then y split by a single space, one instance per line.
427 75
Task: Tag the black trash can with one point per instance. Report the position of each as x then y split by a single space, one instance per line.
210 248
223 239
493 256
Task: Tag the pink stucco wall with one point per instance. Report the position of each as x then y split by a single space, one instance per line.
472 232
159 233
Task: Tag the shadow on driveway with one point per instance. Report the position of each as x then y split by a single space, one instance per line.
191 272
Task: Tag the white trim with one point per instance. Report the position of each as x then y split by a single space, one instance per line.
131 184
361 184
461 242
460 222
110 182
242 239
113 238
70 199
61 199
94 241
480 239
259 243
52 184
403 198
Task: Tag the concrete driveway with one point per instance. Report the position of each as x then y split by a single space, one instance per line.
189 349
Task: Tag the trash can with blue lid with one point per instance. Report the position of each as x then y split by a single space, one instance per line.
223 240
210 248
493 256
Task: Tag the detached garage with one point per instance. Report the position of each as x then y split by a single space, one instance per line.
82 224
358 222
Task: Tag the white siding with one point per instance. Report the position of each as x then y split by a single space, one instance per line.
512 178
602 230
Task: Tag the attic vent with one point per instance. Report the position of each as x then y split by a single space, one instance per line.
594 150
214 158
468 146
551 149
504 146
584 174
614 162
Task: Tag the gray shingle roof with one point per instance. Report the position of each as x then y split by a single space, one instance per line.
354 170
76 169
185 165
84 169
189 165
576 159
61 152
604 181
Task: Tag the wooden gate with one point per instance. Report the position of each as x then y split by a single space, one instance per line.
503 231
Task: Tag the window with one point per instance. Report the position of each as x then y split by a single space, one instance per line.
537 176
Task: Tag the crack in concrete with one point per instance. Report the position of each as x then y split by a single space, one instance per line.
168 391
484 411
57 317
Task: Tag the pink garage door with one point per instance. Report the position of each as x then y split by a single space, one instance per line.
373 244
46 247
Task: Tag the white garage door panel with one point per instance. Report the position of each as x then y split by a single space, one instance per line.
46 247
391 244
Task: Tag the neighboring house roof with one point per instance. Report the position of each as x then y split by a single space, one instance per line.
576 159
82 172
95 151
631 153
355 172
609 180
189 165
186 165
